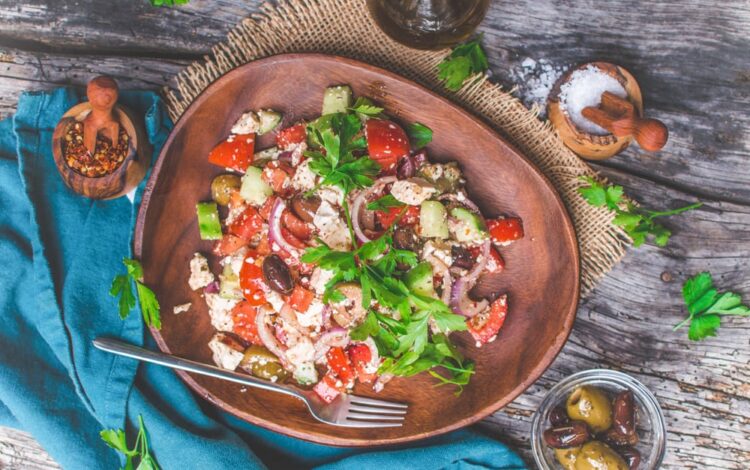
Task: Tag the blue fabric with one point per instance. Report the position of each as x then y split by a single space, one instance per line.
60 252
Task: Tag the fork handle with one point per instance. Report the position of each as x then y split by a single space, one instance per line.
122 348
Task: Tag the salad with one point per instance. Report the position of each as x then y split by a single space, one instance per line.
345 254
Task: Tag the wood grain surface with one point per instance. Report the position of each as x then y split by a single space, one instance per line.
692 61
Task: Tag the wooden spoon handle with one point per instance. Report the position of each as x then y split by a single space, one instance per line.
651 134
102 93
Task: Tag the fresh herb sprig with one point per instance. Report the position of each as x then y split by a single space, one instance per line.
122 287
338 136
419 134
364 107
115 438
168 3
637 222
706 305
466 60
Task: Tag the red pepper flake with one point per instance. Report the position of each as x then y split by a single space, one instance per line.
106 158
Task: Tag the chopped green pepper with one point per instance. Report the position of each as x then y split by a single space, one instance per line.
208 221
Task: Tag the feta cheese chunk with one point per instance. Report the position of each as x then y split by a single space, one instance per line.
302 352
413 191
220 311
304 178
200 274
248 123
319 279
331 194
441 251
313 317
332 228
224 356
181 308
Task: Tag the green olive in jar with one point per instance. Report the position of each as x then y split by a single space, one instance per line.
590 405
567 457
596 455
222 187
263 364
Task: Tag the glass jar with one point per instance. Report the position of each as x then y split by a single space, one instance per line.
650 419
428 24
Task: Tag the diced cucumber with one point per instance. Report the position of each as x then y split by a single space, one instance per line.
337 99
306 374
419 279
264 156
433 220
467 226
208 220
229 284
254 190
269 119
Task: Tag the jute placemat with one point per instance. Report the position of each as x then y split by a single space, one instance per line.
344 27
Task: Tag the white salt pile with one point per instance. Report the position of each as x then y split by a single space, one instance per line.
535 80
583 89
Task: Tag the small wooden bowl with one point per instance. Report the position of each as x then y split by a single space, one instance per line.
125 177
585 144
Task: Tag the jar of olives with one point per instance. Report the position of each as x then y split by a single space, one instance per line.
599 419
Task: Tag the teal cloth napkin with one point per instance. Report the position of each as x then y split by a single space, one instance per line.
60 252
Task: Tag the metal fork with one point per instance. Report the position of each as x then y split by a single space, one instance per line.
346 410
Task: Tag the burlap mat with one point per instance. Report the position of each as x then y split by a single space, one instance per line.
344 27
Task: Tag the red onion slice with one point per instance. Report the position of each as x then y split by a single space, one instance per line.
267 337
357 206
459 300
335 337
464 202
212 288
381 381
274 229
375 359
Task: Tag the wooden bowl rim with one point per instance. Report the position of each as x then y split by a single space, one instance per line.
568 235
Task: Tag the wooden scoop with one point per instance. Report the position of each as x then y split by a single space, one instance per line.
102 92
618 116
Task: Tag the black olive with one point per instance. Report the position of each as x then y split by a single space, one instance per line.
305 207
462 258
574 434
406 168
404 238
623 413
616 439
277 275
558 416
632 457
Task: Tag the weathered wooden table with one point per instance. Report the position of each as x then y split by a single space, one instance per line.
692 59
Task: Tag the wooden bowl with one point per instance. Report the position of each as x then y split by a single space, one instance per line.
126 177
541 277
587 145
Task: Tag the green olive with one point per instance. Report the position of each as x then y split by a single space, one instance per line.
591 405
596 455
263 364
222 187
567 457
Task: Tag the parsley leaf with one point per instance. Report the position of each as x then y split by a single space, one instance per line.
465 60
706 305
122 288
638 223
385 202
116 439
168 3
419 134
364 107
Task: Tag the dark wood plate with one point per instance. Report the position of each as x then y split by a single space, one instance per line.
541 277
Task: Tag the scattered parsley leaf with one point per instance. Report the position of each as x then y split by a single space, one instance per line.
638 223
706 305
419 134
168 3
464 61
116 439
385 202
122 288
364 107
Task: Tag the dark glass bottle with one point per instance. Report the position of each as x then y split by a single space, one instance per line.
428 24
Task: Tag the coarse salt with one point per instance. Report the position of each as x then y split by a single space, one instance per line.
584 89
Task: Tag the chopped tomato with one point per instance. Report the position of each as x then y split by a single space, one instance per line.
495 264
360 356
276 177
235 200
265 209
388 217
339 364
243 318
295 225
504 231
247 224
235 154
301 299
292 240
290 136
264 247
484 326
251 281
228 245
386 142
326 388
